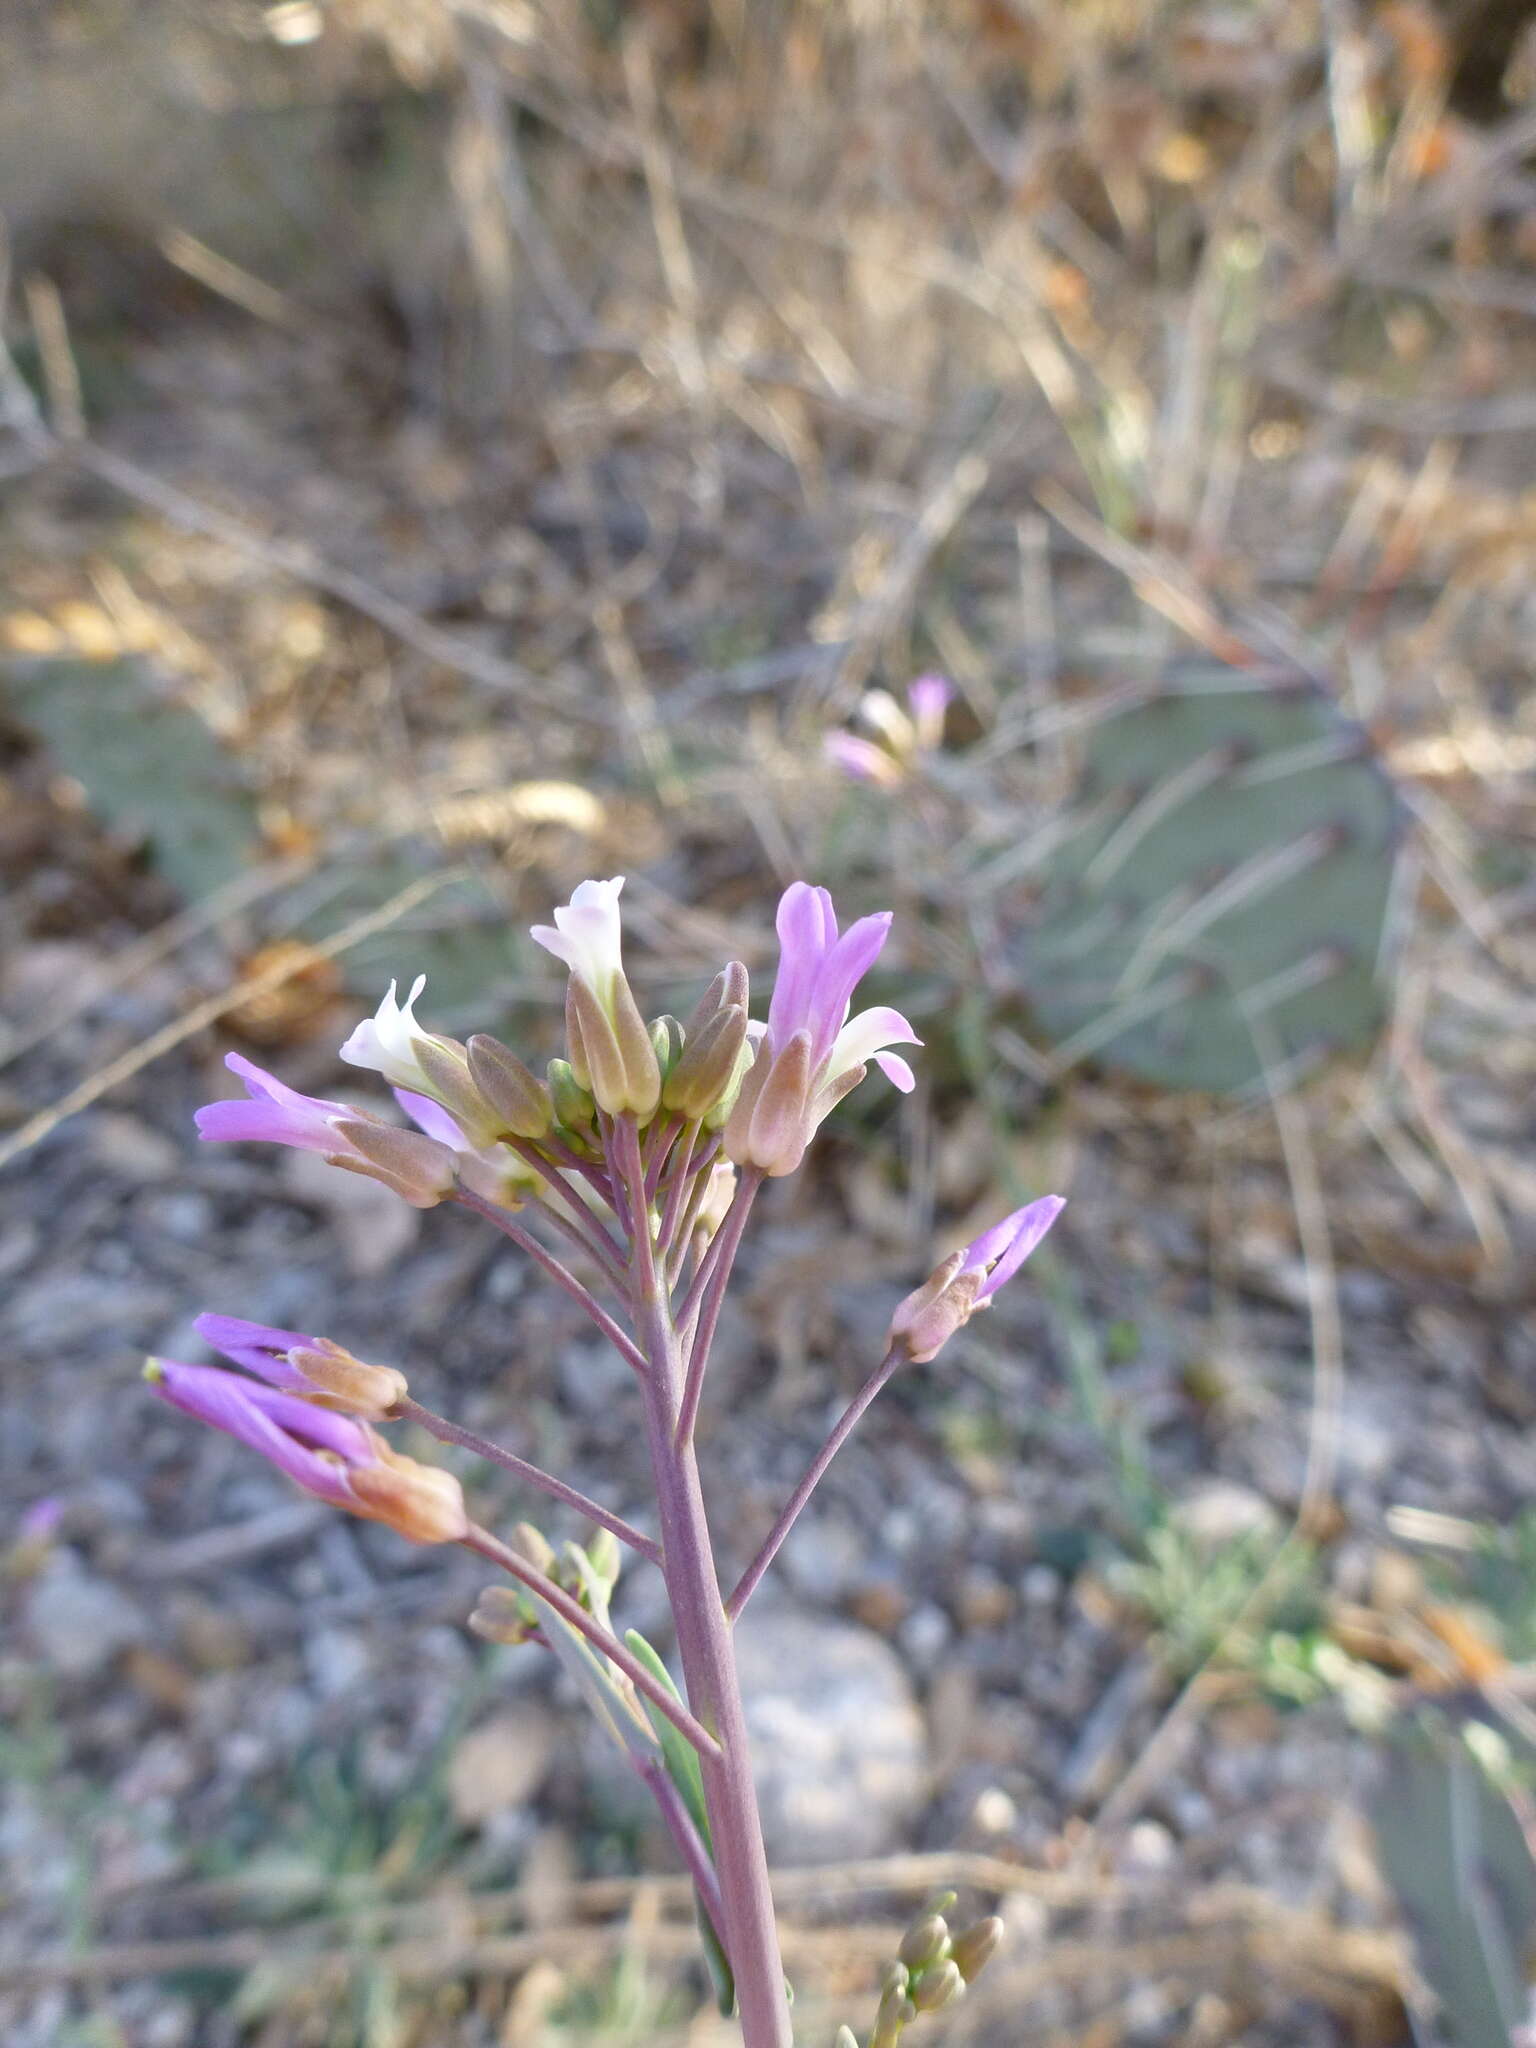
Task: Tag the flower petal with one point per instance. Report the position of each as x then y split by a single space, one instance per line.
870 1032
310 1444
840 974
432 1118
1009 1243
807 927
259 1348
586 934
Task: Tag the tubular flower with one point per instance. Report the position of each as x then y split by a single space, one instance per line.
967 1280
812 1051
331 1456
414 1166
312 1367
393 1044
610 1049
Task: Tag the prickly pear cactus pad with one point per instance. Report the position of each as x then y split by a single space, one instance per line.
1224 900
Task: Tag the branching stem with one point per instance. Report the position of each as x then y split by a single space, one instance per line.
842 1430
533 1475
571 1610
561 1275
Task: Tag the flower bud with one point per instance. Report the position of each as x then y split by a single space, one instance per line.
415 1166
503 1614
612 1052
531 1547
707 1066
443 1067
666 1036
573 1105
771 1124
346 1385
604 1556
894 1978
728 991
846 2038
925 1942
518 1098
971 1951
719 1193
419 1501
924 1323
937 1988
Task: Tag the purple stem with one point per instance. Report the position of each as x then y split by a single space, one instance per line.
676 1186
658 1145
561 1276
588 1232
491 1548
705 1648
682 1830
724 1248
747 1584
534 1475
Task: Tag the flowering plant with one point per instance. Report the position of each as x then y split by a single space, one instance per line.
643 1149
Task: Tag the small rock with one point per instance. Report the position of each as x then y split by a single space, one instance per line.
837 1738
1149 1849
924 1634
80 1623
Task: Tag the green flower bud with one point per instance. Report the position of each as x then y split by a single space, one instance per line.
604 1556
925 1942
937 1988
573 1105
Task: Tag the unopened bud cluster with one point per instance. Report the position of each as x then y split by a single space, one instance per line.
508 1614
929 1971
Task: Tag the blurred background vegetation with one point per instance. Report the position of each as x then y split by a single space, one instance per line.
451 447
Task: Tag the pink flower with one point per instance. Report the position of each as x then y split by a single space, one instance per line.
332 1456
813 1052
319 1450
312 1367
415 1166
260 1349
967 1280
272 1113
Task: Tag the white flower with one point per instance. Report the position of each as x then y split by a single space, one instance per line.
586 936
386 1042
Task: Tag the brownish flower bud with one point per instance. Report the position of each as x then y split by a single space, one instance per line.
417 1500
771 1124
612 1056
530 1545
707 1065
972 1950
504 1615
520 1101
924 1323
345 1384
414 1165
728 991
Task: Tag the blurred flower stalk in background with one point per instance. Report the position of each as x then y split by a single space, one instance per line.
628 1173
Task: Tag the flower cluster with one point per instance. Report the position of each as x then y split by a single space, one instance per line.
643 1146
